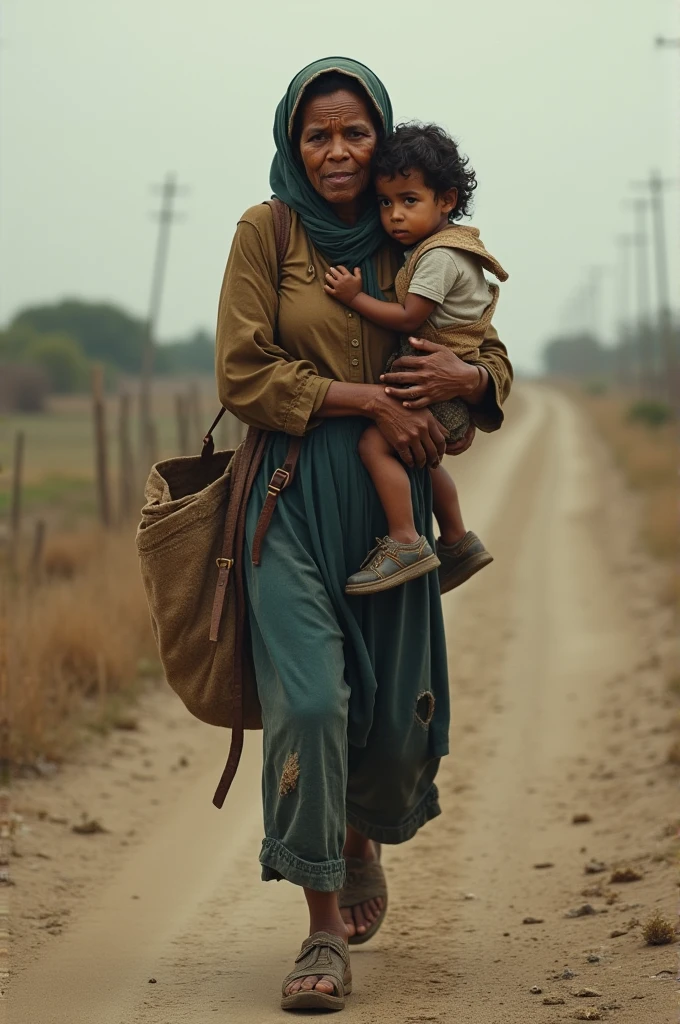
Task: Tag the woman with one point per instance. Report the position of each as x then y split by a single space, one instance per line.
354 691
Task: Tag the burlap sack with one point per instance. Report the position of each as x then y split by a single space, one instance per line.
179 541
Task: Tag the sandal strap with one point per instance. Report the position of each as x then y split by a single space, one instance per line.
321 955
365 880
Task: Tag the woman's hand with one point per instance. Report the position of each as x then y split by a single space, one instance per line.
416 436
437 376
462 446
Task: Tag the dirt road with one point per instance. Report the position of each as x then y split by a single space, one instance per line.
557 658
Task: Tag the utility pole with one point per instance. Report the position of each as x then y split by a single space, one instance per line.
165 217
627 369
656 187
647 354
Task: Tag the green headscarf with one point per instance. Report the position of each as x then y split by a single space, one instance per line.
351 245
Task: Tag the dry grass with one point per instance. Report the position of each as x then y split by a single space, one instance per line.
658 931
77 639
649 457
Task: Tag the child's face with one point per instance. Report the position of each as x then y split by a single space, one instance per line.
409 210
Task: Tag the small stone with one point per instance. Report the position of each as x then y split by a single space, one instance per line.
532 920
585 910
581 819
567 974
617 933
89 827
627 874
535 990
610 1006
553 1001
590 1014
593 958
544 864
152 981
469 896
595 867
587 993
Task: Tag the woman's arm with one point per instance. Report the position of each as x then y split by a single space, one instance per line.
257 380
440 375
415 435
346 288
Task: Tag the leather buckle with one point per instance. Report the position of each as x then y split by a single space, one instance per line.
280 479
225 563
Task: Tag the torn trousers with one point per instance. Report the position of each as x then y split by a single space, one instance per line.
354 690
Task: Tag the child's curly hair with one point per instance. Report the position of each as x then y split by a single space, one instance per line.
428 149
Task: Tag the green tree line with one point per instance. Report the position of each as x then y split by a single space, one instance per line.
63 339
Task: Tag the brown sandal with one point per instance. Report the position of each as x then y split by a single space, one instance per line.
321 955
365 881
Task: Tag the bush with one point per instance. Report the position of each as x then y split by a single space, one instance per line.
23 388
649 412
63 361
595 387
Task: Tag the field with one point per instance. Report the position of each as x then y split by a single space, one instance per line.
77 623
649 458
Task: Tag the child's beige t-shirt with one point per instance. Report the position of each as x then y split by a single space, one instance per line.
454 279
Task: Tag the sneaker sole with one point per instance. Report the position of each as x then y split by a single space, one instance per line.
411 572
471 566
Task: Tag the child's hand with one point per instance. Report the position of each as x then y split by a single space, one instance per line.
342 285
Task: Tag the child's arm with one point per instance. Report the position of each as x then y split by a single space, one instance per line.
346 288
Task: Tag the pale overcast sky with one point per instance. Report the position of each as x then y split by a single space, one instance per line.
559 105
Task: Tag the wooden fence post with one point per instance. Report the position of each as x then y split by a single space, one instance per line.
15 508
100 445
126 467
182 423
198 427
37 552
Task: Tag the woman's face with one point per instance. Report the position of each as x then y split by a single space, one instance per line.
337 143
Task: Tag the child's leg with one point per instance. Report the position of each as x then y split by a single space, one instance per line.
392 484
446 506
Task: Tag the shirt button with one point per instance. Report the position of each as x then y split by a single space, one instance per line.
355 361
350 315
355 343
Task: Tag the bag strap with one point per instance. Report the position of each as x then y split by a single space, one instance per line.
248 461
281 478
281 218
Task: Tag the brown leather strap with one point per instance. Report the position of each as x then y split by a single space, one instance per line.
249 459
234 540
281 217
281 478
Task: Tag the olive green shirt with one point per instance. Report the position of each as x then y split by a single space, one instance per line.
281 340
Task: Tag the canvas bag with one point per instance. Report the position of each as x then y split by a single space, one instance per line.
190 543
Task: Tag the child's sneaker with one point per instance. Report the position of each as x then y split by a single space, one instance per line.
390 564
460 561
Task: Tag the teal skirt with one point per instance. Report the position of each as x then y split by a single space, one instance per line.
354 690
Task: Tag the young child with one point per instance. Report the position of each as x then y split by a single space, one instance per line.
423 185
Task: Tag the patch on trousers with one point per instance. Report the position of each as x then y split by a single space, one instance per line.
289 775
424 707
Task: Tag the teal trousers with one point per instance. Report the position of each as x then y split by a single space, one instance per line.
354 690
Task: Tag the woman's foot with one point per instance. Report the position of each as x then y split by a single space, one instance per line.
324 916
360 917
305 991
